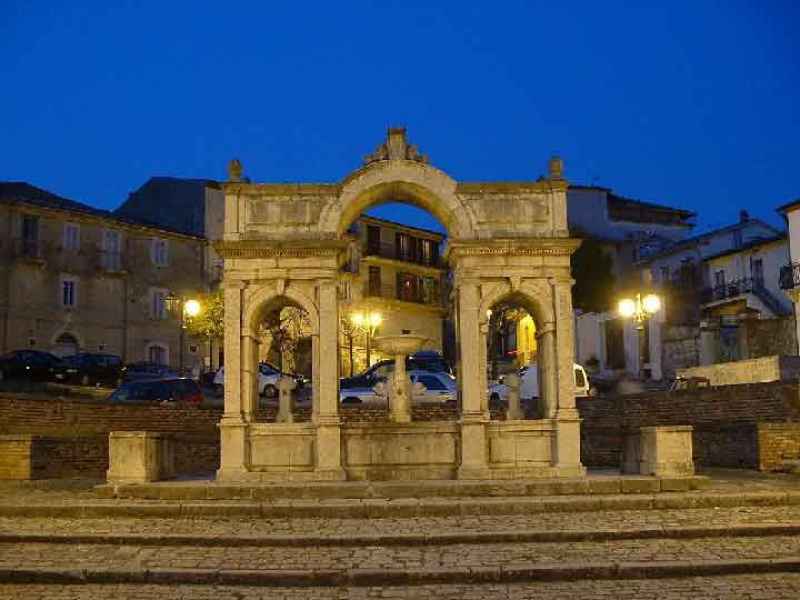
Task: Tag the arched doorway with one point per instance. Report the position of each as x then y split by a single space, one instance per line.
289 243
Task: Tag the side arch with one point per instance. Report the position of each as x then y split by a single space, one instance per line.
404 181
535 297
269 295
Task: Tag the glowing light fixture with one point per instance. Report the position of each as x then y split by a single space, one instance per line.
192 308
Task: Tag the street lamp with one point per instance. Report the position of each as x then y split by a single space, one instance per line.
368 322
182 307
639 309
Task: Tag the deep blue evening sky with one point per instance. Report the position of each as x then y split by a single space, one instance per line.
692 104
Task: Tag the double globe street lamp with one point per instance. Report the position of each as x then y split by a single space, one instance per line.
182 308
639 309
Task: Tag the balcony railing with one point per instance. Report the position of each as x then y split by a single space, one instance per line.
389 250
790 276
418 296
732 289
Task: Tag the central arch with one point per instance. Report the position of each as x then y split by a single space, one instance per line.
404 181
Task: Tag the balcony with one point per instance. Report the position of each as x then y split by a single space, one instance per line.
790 276
732 289
417 296
391 251
29 250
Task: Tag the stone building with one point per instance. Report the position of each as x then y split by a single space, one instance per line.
76 278
396 271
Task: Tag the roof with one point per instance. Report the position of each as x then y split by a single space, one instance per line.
755 243
431 232
21 192
785 208
696 239
686 214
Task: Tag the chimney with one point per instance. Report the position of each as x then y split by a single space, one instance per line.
744 216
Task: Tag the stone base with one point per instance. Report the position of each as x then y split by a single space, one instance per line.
139 457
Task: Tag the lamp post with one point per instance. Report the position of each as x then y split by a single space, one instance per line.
368 322
182 307
640 309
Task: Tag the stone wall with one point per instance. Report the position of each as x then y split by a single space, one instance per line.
725 421
765 337
777 443
754 370
680 348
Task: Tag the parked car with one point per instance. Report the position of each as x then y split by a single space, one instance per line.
172 391
268 376
147 370
529 384
426 360
28 364
89 369
437 387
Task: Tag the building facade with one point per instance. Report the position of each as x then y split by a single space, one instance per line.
75 278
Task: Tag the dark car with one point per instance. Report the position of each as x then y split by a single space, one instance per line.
28 364
89 369
172 392
420 361
147 370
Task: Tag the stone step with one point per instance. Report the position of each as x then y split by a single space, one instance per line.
276 490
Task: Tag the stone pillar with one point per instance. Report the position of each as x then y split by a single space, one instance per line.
666 451
232 427
328 447
566 448
139 457
514 411
400 392
249 385
474 451
285 400
546 370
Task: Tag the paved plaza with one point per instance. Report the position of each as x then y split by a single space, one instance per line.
739 538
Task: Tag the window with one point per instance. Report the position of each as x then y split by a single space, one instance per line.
72 236
373 239
158 304
429 252
112 250
719 279
407 287
30 236
157 354
374 281
432 383
69 292
159 252
664 276
430 290
757 270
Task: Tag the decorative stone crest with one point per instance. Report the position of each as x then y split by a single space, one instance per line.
555 168
396 147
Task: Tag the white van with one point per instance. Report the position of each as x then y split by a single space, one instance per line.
529 385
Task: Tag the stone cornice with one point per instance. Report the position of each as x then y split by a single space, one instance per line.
514 247
505 187
272 249
281 189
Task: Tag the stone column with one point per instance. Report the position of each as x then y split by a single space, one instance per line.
566 448
514 411
285 400
474 451
546 370
232 426
400 395
315 374
329 450
249 385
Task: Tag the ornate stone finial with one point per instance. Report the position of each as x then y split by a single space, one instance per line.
555 168
396 147
235 170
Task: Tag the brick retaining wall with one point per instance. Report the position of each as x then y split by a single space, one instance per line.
725 421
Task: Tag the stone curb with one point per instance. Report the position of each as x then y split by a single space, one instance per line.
400 508
393 577
411 539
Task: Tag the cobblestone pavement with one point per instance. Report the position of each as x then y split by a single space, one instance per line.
741 587
582 521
